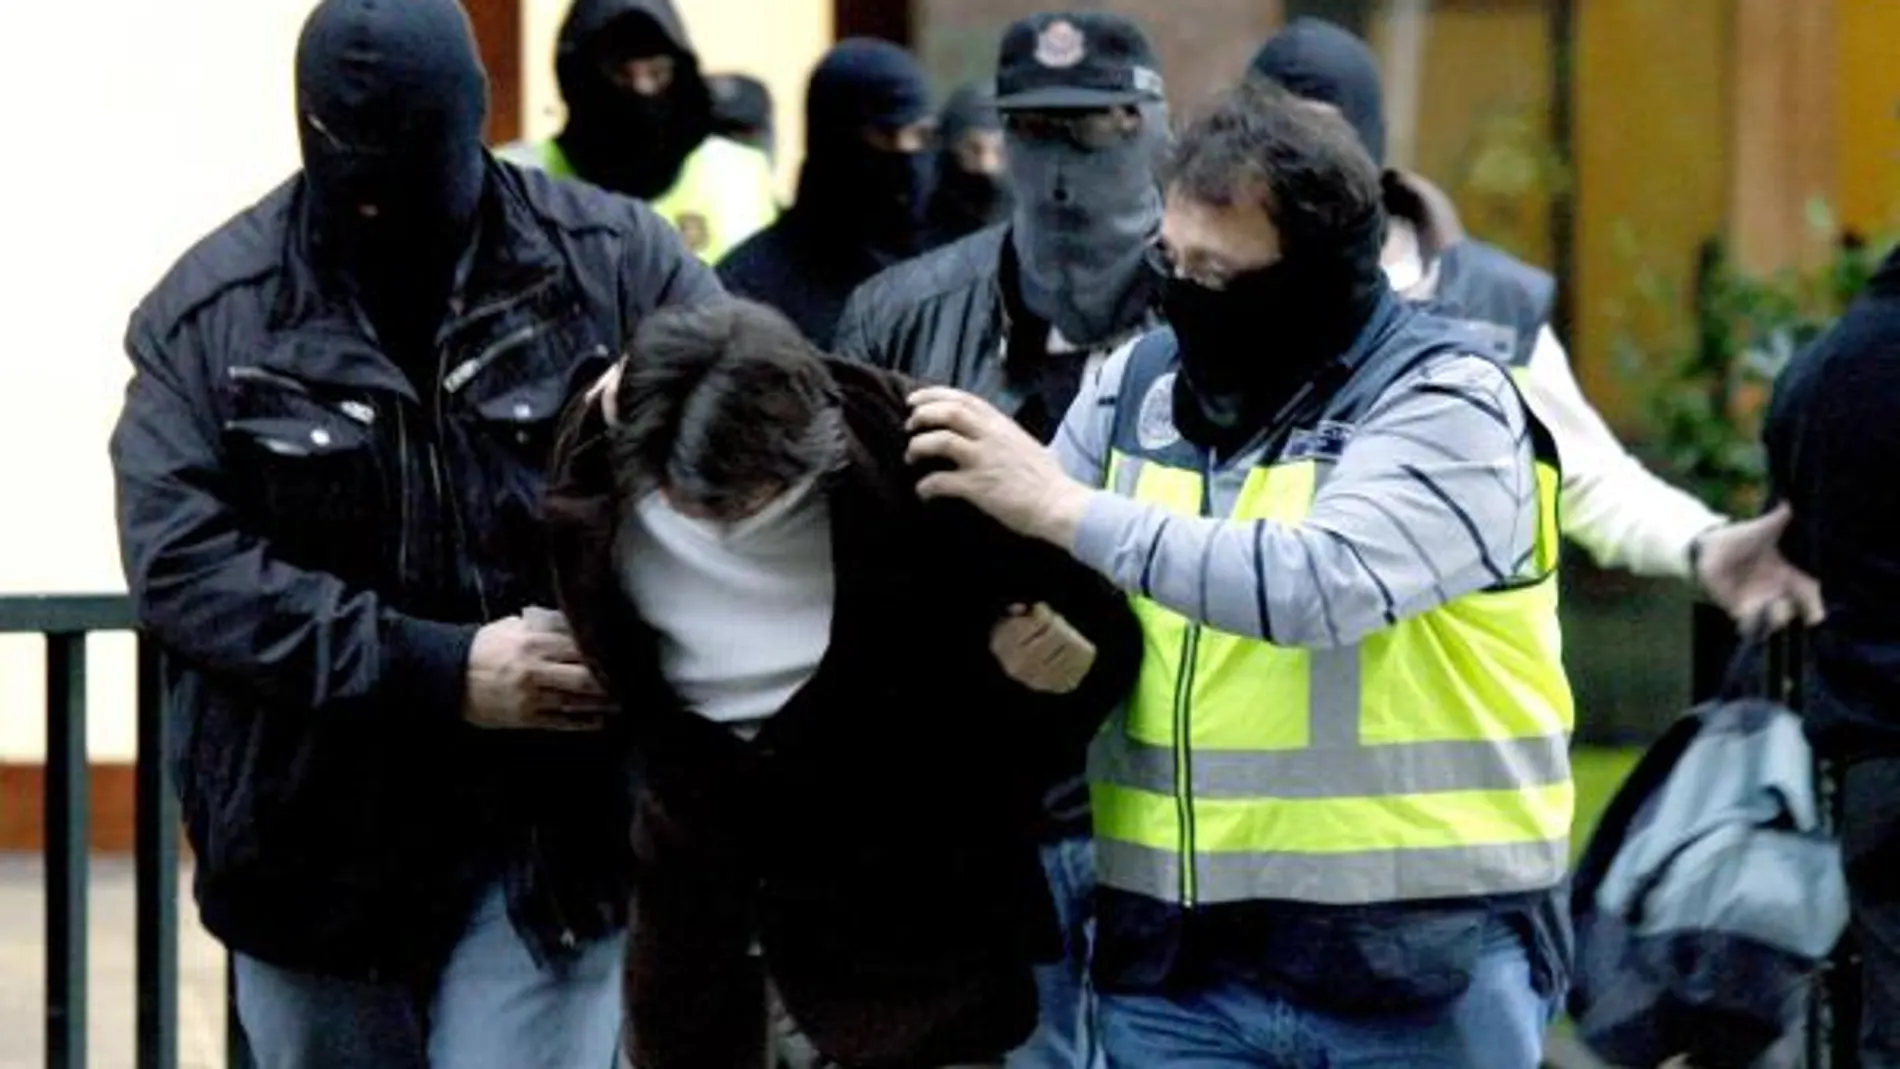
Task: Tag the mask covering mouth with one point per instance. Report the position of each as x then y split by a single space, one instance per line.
1084 221
392 99
965 200
972 198
1248 348
870 197
621 139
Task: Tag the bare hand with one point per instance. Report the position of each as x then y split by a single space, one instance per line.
999 467
1743 571
524 677
1041 650
606 391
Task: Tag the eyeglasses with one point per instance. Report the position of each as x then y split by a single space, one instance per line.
1093 130
1163 265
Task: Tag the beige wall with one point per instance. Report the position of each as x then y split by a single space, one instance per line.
169 123
776 41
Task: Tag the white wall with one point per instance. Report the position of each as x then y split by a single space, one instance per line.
131 127
776 41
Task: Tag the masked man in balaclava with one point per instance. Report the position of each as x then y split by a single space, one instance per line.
972 183
1024 312
406 795
640 123
742 111
861 193
1613 506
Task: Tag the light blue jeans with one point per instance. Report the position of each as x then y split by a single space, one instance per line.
492 1008
1498 1023
1065 1036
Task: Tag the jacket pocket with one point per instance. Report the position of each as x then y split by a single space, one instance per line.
309 477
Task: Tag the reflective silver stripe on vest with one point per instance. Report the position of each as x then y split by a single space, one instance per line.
1127 475
1337 879
1380 771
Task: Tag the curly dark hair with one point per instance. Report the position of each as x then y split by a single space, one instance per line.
720 402
1299 159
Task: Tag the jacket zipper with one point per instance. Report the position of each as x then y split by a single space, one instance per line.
402 494
443 485
1183 725
465 372
252 373
1184 761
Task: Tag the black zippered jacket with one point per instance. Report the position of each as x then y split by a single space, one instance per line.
313 539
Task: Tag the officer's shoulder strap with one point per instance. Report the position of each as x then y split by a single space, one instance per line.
1152 356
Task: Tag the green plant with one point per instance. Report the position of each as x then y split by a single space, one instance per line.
1712 376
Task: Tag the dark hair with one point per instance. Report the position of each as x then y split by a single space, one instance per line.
720 401
1301 159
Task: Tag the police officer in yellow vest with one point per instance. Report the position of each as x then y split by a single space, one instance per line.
1332 819
640 122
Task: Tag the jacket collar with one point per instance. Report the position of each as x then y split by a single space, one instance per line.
320 335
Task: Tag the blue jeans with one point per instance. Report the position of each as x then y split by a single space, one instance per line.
492 1008
1065 1036
1498 1023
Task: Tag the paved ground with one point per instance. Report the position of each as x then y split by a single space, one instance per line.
112 1006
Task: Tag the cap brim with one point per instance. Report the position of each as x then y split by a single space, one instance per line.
1062 96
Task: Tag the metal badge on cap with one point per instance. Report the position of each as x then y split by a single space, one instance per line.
1060 45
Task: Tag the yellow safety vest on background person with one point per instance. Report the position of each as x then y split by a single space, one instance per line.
723 196
1428 761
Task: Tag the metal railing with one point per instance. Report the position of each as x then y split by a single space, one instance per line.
65 623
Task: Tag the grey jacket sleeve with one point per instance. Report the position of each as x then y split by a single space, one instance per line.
1434 497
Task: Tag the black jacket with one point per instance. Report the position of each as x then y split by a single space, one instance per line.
877 833
803 268
940 318
1833 434
315 545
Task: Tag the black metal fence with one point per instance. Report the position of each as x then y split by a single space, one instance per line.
65 623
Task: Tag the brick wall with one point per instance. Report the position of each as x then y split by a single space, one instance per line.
1204 44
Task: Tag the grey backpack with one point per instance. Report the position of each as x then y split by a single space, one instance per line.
1710 896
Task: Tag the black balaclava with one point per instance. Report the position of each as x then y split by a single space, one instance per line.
1246 350
963 201
869 200
1320 61
614 137
742 111
391 99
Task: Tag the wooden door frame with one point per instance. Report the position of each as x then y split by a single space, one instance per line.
892 20
498 34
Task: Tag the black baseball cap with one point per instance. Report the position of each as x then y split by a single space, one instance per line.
1083 59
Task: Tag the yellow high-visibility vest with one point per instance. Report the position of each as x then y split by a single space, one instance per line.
1428 761
723 196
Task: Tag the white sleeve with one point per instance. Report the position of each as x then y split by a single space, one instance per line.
1622 513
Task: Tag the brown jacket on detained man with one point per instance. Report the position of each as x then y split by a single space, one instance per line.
876 838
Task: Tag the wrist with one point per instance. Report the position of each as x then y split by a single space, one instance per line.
1066 504
1693 555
